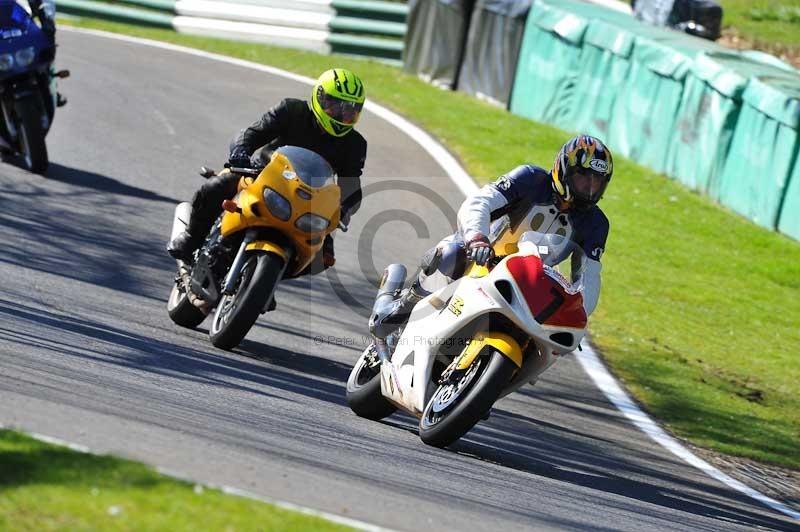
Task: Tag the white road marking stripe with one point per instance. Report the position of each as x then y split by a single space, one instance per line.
589 361
595 368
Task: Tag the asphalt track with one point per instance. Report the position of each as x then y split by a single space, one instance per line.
88 354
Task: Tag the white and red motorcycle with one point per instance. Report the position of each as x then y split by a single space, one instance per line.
474 341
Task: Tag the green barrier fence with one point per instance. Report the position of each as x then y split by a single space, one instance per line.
605 60
707 117
547 63
643 115
789 217
159 5
118 13
764 148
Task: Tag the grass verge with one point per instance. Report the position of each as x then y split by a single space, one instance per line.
700 308
764 21
47 487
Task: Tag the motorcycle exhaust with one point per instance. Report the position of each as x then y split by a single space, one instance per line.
181 219
394 277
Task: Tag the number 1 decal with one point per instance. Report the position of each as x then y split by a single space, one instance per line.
549 310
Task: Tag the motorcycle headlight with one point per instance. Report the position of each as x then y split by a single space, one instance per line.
277 205
6 61
25 56
312 223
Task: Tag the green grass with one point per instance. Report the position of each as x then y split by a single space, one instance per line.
770 22
769 25
700 308
47 487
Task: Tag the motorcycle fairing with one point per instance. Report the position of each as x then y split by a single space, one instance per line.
500 341
406 381
548 301
279 175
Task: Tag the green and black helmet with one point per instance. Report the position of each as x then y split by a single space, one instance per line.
337 99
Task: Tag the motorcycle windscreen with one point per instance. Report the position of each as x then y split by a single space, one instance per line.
563 259
310 167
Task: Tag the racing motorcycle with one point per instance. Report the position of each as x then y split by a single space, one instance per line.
28 96
272 229
474 341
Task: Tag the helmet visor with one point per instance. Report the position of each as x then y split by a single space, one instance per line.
588 187
339 110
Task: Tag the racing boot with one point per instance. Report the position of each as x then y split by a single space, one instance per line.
206 207
182 246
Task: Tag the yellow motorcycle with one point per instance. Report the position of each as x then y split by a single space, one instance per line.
273 229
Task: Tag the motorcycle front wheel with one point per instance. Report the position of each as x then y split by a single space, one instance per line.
236 313
458 405
31 134
363 393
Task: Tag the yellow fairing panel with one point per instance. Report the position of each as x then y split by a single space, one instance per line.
263 245
279 176
476 270
502 342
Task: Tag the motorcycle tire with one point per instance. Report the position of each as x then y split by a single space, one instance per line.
181 310
235 314
493 372
31 135
363 391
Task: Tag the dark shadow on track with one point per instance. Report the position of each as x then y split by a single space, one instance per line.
89 340
566 455
505 441
101 183
82 233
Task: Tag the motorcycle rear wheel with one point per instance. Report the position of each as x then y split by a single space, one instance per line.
181 310
31 135
236 313
456 407
363 393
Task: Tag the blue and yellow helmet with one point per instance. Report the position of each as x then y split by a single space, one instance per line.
582 171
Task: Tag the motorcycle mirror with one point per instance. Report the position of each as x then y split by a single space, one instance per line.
207 172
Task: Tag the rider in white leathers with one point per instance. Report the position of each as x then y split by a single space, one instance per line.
562 201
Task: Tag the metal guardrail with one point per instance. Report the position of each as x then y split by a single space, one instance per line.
369 28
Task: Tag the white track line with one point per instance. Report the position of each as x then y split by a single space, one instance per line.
589 359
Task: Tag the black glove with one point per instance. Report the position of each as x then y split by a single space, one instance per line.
479 250
239 158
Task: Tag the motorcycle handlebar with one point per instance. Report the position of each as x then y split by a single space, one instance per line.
244 171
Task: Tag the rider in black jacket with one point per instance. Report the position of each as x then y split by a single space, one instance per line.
323 125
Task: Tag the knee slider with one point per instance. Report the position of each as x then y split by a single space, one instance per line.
453 259
430 260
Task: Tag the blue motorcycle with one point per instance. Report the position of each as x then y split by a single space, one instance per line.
28 95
